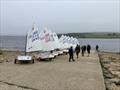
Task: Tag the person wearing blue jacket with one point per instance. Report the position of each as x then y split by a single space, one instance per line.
71 54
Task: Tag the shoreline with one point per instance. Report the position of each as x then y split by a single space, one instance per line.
110 52
4 50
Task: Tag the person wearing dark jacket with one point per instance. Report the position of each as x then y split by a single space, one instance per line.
88 49
77 50
82 48
71 54
97 48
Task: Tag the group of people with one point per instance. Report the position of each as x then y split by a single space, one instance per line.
83 49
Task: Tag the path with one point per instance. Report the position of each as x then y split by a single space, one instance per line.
83 74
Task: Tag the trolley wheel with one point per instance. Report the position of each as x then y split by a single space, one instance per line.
33 61
15 61
50 59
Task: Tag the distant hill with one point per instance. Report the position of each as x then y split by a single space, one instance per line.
92 35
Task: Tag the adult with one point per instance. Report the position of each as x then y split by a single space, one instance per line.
82 48
88 49
97 48
71 54
77 50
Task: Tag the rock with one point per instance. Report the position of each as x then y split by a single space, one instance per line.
111 71
108 76
118 82
108 85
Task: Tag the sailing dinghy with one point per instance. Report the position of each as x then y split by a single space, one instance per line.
47 44
56 43
24 58
32 41
63 43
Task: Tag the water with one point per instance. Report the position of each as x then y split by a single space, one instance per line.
108 45
12 43
18 43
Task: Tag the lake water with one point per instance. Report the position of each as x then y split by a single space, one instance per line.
18 43
109 45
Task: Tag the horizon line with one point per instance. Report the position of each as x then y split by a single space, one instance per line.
57 33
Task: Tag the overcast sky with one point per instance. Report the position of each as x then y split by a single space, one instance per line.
61 16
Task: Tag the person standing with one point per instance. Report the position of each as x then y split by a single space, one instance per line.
97 48
77 50
88 49
71 54
82 48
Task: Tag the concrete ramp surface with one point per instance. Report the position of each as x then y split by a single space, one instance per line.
83 74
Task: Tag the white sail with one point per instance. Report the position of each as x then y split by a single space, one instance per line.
73 42
56 42
46 40
76 41
61 42
33 40
70 41
64 42
67 42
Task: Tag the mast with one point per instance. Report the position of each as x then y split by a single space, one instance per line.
0 43
25 43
